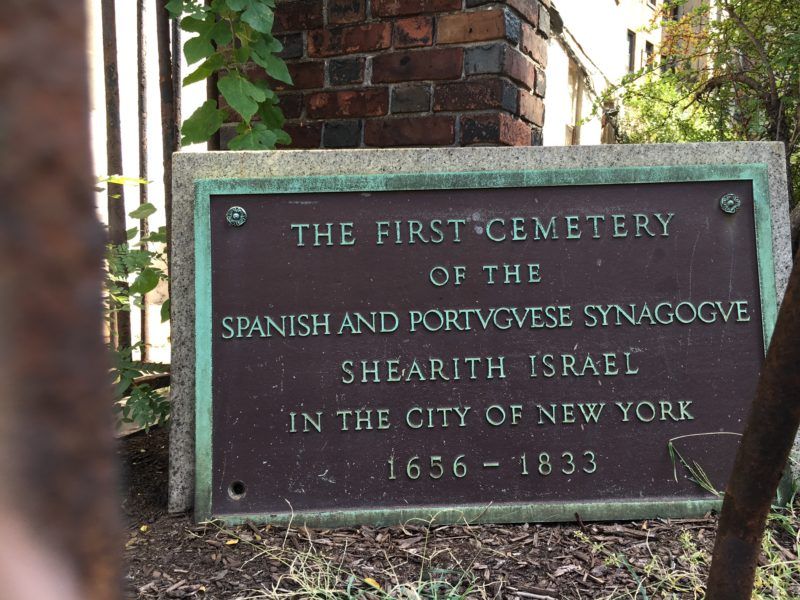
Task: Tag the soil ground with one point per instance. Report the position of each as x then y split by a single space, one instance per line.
171 557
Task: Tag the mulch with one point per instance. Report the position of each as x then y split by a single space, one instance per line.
170 556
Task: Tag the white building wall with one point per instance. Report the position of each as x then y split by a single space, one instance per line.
595 34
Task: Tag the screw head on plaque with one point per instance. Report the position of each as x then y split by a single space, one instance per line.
236 216
730 203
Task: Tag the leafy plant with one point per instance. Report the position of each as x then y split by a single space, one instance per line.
132 271
727 70
229 35
136 401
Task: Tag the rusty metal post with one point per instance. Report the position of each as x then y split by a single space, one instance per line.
116 195
768 437
141 73
58 506
168 86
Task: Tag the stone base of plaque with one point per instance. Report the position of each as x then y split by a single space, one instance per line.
490 334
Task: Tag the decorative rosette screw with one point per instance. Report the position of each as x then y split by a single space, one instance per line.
730 203
236 216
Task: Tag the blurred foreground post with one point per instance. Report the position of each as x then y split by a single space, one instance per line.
762 456
58 507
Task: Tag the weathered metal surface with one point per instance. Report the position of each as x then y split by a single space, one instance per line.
760 462
168 75
458 421
115 192
141 73
58 507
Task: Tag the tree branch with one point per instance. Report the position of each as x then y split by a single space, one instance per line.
759 48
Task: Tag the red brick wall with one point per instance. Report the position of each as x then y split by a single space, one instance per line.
377 73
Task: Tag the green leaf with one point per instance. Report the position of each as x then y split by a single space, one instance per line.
259 16
274 66
264 44
243 96
197 49
131 233
146 281
221 33
205 70
238 5
122 180
269 95
203 123
197 25
165 311
271 115
258 138
142 211
175 8
158 237
242 54
283 138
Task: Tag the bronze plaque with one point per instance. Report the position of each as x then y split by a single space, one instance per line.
498 351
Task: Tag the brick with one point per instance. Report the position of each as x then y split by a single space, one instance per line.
413 31
411 98
544 20
291 105
345 71
537 138
226 133
307 75
398 8
416 65
429 130
534 45
520 68
298 15
346 11
484 59
304 135
540 89
529 9
369 102
342 134
350 39
480 94
494 129
500 58
531 108
293 45
478 26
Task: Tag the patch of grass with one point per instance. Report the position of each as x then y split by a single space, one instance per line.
311 571
662 575
677 576
778 574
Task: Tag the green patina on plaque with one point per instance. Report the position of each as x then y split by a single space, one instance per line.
755 174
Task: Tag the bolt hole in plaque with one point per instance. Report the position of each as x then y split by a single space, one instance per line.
237 490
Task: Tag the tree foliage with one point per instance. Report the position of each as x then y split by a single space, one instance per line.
728 70
657 112
230 35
